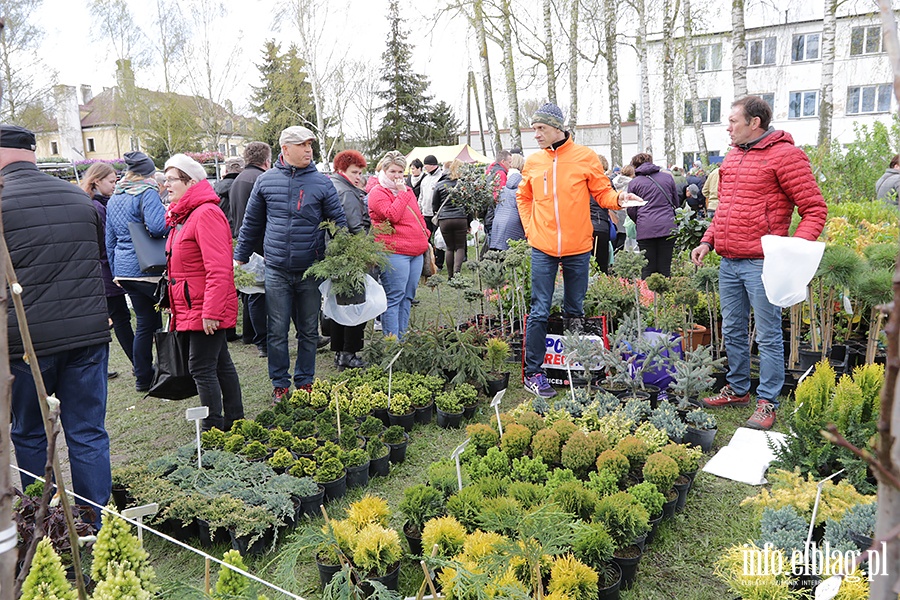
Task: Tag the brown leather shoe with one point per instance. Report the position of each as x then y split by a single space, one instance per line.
763 417
726 397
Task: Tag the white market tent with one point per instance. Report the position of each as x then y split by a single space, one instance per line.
463 152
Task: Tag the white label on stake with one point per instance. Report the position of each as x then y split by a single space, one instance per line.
393 360
455 456
498 397
829 588
198 412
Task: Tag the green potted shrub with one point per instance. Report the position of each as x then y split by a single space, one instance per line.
423 400
579 454
379 457
449 410
496 353
47 577
356 462
701 429
401 411
447 533
515 441
546 444
483 437
614 462
331 475
397 440
574 498
635 450
281 460
571 578
651 499
594 547
255 451
420 504
377 553
665 418
468 395
370 427
213 439
626 520
662 471
348 259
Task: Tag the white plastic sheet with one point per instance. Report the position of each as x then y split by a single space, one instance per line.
789 265
746 457
354 314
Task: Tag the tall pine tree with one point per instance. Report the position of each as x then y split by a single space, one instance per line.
285 97
407 120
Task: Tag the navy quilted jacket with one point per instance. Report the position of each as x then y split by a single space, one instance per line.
122 209
286 206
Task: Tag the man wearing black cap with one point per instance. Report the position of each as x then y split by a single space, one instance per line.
430 178
558 185
54 235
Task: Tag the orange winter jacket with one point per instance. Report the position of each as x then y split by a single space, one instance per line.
555 194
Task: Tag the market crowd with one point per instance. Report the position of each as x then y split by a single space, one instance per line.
265 214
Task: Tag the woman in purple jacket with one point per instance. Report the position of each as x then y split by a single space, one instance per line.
654 221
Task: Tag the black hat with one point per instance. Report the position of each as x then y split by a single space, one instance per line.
13 136
140 163
431 159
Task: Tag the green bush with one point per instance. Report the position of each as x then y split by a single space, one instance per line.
370 427
395 434
255 450
421 503
278 438
400 404
47 578
661 471
593 545
449 402
500 515
447 533
442 476
465 506
530 419
614 462
515 440
635 450
329 470
625 518
571 578
483 437
529 495
546 444
599 441
305 445
688 458
302 429
649 496
532 470
495 463
234 443
376 549
303 467
602 483
564 428
355 458
281 459
574 498
578 454
492 487
213 439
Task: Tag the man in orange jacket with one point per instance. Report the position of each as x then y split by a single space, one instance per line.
558 184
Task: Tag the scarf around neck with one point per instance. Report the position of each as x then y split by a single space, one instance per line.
388 183
136 188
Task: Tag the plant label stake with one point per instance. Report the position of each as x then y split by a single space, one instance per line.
197 414
337 412
495 403
390 370
569 371
138 513
455 457
829 588
812 520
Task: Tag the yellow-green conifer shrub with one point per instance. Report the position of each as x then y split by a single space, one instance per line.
447 533
120 584
573 578
116 545
47 579
376 549
369 510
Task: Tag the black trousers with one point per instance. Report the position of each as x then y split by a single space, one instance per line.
601 249
658 252
347 338
254 317
217 380
455 236
117 307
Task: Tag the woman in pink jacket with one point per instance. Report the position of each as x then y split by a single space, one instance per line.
202 296
395 214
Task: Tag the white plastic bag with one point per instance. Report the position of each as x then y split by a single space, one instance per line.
789 265
439 242
256 266
354 314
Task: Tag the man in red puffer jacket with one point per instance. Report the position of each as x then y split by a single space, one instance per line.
763 177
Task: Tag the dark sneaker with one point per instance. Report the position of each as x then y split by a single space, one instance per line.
337 359
573 324
538 385
763 417
279 394
323 341
726 397
112 374
354 362
262 352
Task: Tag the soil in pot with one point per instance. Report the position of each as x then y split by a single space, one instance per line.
628 558
495 385
414 539
358 476
610 591
405 421
335 490
700 437
449 420
350 299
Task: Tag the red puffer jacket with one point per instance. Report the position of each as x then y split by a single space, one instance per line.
401 212
758 189
201 275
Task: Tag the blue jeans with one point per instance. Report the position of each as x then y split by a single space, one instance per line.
149 320
290 296
543 280
78 379
400 280
740 289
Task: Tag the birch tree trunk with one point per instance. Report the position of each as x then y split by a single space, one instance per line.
512 94
670 12
646 126
692 82
486 76
882 587
826 91
573 64
612 74
549 61
738 49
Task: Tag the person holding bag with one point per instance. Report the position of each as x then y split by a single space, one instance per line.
201 290
655 221
392 203
136 200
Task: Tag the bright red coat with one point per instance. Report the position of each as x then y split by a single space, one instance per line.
201 275
758 189
402 213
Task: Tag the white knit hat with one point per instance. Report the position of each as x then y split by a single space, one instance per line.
188 165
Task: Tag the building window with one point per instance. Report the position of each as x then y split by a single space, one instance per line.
803 104
761 52
865 40
222 149
709 58
769 98
805 47
54 148
90 145
232 150
229 126
868 99
710 111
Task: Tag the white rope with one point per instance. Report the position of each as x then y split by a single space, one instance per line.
140 525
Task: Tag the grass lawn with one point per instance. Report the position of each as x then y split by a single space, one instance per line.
677 566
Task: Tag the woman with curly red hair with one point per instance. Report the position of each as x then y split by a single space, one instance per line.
349 165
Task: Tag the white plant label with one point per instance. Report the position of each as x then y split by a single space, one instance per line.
197 414
138 513
829 588
455 456
495 403
390 370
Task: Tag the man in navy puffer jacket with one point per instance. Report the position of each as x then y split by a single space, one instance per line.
287 205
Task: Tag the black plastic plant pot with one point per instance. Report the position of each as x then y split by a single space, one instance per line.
382 415
380 467
209 536
405 421
669 508
628 562
700 437
398 451
310 505
495 385
654 526
335 490
178 530
120 497
391 581
415 543
326 573
611 592
358 476
258 547
350 299
424 414
653 390
449 420
682 489
469 411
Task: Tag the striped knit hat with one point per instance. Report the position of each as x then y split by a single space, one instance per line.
549 114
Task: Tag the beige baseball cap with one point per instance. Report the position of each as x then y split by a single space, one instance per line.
295 135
